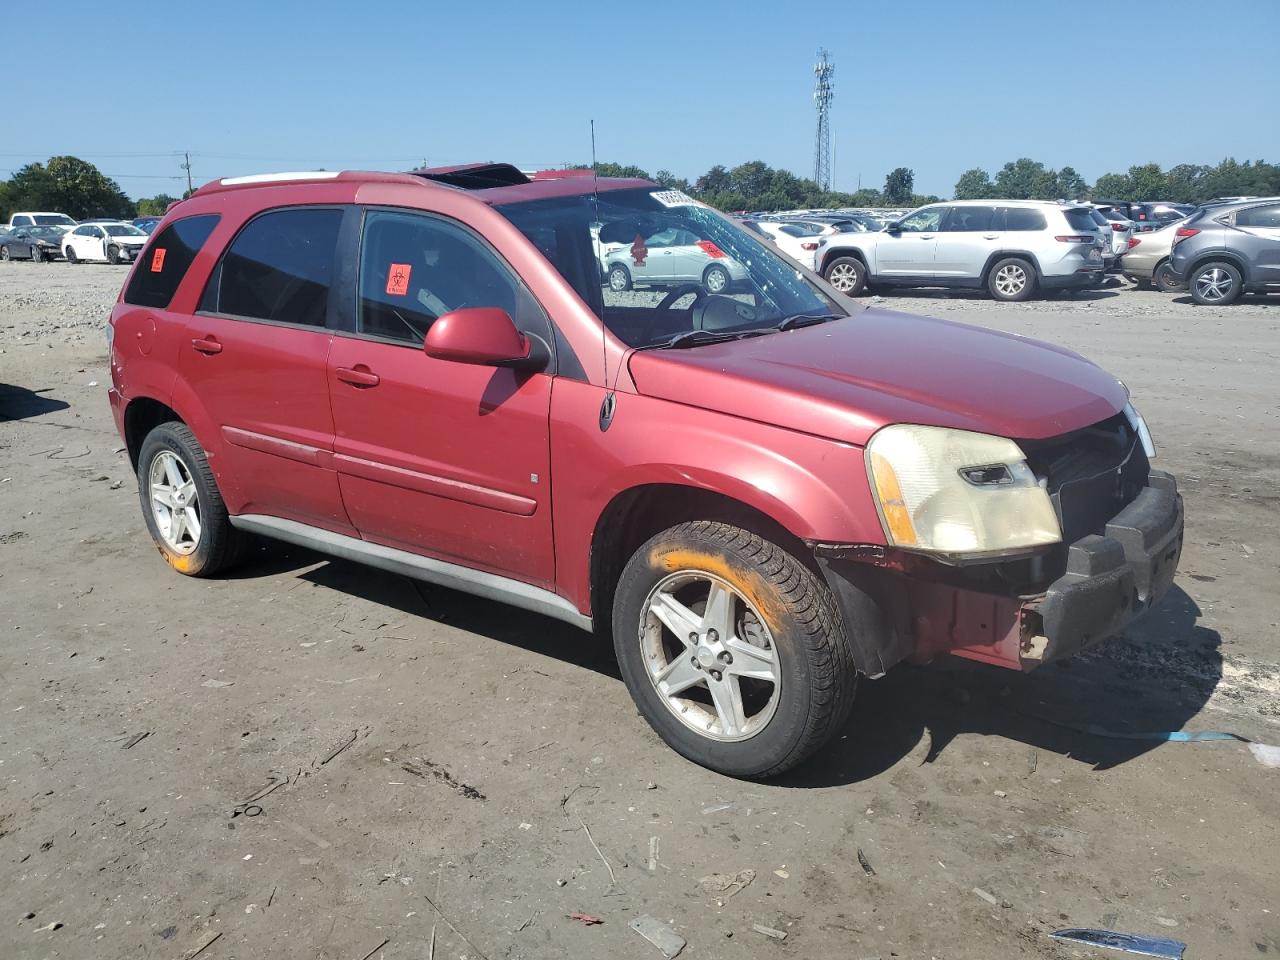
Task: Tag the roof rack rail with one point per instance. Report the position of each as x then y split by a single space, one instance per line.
280 177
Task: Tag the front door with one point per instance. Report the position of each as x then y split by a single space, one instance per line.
440 458
255 354
908 252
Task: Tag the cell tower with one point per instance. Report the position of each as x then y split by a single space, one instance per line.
823 92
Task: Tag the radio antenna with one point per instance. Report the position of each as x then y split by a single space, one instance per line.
610 401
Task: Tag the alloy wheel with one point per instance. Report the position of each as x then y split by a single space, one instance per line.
1214 284
710 656
843 277
1011 279
175 502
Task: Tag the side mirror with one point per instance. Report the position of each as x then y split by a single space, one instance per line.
485 336
893 228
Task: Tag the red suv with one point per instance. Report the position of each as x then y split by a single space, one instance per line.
759 489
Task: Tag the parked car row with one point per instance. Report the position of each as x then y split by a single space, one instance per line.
42 237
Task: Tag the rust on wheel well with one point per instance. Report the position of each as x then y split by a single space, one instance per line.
142 416
635 515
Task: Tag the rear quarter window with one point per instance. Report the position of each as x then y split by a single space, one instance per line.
155 280
1079 219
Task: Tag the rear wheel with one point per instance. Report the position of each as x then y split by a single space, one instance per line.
732 649
846 274
1012 279
1165 280
715 279
1216 284
181 503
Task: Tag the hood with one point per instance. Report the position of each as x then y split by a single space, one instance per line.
130 241
847 378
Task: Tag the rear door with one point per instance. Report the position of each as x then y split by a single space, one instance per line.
908 253
969 235
255 353
1262 224
446 459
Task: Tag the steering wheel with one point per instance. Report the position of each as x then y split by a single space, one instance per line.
699 295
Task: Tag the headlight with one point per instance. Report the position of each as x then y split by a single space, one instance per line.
957 493
1140 428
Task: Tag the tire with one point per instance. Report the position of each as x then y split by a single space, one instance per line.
619 278
70 254
169 452
782 621
1011 280
846 274
113 254
1215 284
715 279
4 254
1164 278
37 255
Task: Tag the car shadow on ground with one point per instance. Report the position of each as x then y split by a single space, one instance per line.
946 293
21 403
1156 677
1248 299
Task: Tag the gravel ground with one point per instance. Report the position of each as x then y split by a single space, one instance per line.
423 743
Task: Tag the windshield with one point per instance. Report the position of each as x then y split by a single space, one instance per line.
53 218
661 265
50 233
122 230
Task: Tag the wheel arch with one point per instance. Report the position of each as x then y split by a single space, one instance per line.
855 253
637 513
1229 256
141 416
999 255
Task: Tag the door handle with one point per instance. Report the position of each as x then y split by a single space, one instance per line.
926 236
208 345
991 236
359 376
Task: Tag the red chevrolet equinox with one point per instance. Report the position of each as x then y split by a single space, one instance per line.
602 401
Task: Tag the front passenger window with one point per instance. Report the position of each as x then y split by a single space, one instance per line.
416 268
923 221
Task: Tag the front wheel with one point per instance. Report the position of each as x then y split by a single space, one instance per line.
732 649
37 255
113 254
181 503
1011 280
4 254
846 274
1216 284
70 254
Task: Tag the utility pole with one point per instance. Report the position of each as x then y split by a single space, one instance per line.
187 167
823 93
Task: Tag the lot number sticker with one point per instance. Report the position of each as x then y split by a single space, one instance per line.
398 279
157 260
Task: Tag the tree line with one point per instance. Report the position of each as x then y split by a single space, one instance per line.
76 187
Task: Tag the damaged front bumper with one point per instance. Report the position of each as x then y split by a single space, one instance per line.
917 611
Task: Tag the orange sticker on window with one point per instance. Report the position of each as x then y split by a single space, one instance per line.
157 260
398 279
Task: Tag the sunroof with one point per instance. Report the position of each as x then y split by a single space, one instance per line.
475 176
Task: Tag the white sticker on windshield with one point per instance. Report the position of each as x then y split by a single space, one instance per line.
674 198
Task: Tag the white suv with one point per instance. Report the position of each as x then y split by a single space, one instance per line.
1010 247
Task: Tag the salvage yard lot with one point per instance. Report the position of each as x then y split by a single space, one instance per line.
444 763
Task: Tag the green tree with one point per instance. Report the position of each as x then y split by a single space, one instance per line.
1146 183
1071 186
715 180
1185 183
974 184
155 206
621 170
1112 186
1026 179
68 185
899 186
671 181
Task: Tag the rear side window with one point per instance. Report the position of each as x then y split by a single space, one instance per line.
971 219
1080 219
1022 218
1268 216
278 268
156 278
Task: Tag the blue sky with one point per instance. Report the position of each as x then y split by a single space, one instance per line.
936 86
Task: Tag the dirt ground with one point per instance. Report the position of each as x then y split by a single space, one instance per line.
446 764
